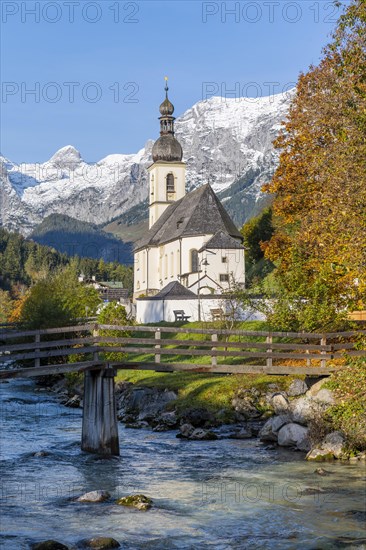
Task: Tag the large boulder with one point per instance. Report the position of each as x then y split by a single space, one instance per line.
279 403
267 433
294 435
94 496
324 396
140 502
305 409
297 387
272 426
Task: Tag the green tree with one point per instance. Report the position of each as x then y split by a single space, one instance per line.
255 232
113 314
58 301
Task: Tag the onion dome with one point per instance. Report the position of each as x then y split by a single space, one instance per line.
166 108
167 148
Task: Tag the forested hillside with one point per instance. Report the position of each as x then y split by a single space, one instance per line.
77 238
26 265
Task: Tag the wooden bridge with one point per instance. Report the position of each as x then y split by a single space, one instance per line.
32 353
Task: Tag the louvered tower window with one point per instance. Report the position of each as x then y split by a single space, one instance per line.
170 188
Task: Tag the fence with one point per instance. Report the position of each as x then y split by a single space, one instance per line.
169 349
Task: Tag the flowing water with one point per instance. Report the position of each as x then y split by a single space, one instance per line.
224 494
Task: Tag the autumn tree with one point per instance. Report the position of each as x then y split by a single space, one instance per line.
5 306
319 243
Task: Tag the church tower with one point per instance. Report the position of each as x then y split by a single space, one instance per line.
167 174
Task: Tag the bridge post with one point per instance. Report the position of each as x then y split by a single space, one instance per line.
100 428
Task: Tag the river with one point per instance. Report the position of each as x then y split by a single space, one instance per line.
223 494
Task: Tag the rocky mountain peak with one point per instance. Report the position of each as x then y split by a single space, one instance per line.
66 157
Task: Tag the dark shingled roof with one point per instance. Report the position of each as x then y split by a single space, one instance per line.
197 213
173 291
222 240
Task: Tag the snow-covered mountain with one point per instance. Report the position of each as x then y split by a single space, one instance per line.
226 141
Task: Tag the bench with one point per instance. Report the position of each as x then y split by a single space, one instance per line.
180 315
217 314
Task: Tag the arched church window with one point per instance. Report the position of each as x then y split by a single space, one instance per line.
170 187
194 260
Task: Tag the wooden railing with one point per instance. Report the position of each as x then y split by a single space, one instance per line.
49 351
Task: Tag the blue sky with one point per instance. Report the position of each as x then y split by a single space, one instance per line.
97 68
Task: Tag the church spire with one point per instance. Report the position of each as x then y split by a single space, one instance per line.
167 148
166 110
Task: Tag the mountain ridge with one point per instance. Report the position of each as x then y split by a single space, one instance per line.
226 142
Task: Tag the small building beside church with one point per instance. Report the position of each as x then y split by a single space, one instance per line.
191 239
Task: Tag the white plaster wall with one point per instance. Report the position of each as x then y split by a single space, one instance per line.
153 311
157 178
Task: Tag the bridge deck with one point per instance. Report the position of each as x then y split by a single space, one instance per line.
46 352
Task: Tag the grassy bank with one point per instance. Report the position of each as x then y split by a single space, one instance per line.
211 391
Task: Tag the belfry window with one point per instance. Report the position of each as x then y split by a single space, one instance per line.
170 187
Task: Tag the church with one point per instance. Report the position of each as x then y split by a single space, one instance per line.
192 248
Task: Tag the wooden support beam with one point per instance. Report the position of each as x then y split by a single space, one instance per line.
158 346
214 339
100 428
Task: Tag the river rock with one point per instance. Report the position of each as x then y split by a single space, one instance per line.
141 502
246 402
138 425
324 396
304 409
166 421
243 433
73 402
294 435
49 545
297 387
267 433
279 421
41 454
198 417
99 543
319 455
186 430
334 443
94 496
279 403
143 403
315 388
200 434
321 472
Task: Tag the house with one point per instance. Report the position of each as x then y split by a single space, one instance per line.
191 239
109 291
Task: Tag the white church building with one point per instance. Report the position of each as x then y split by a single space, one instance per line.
193 253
